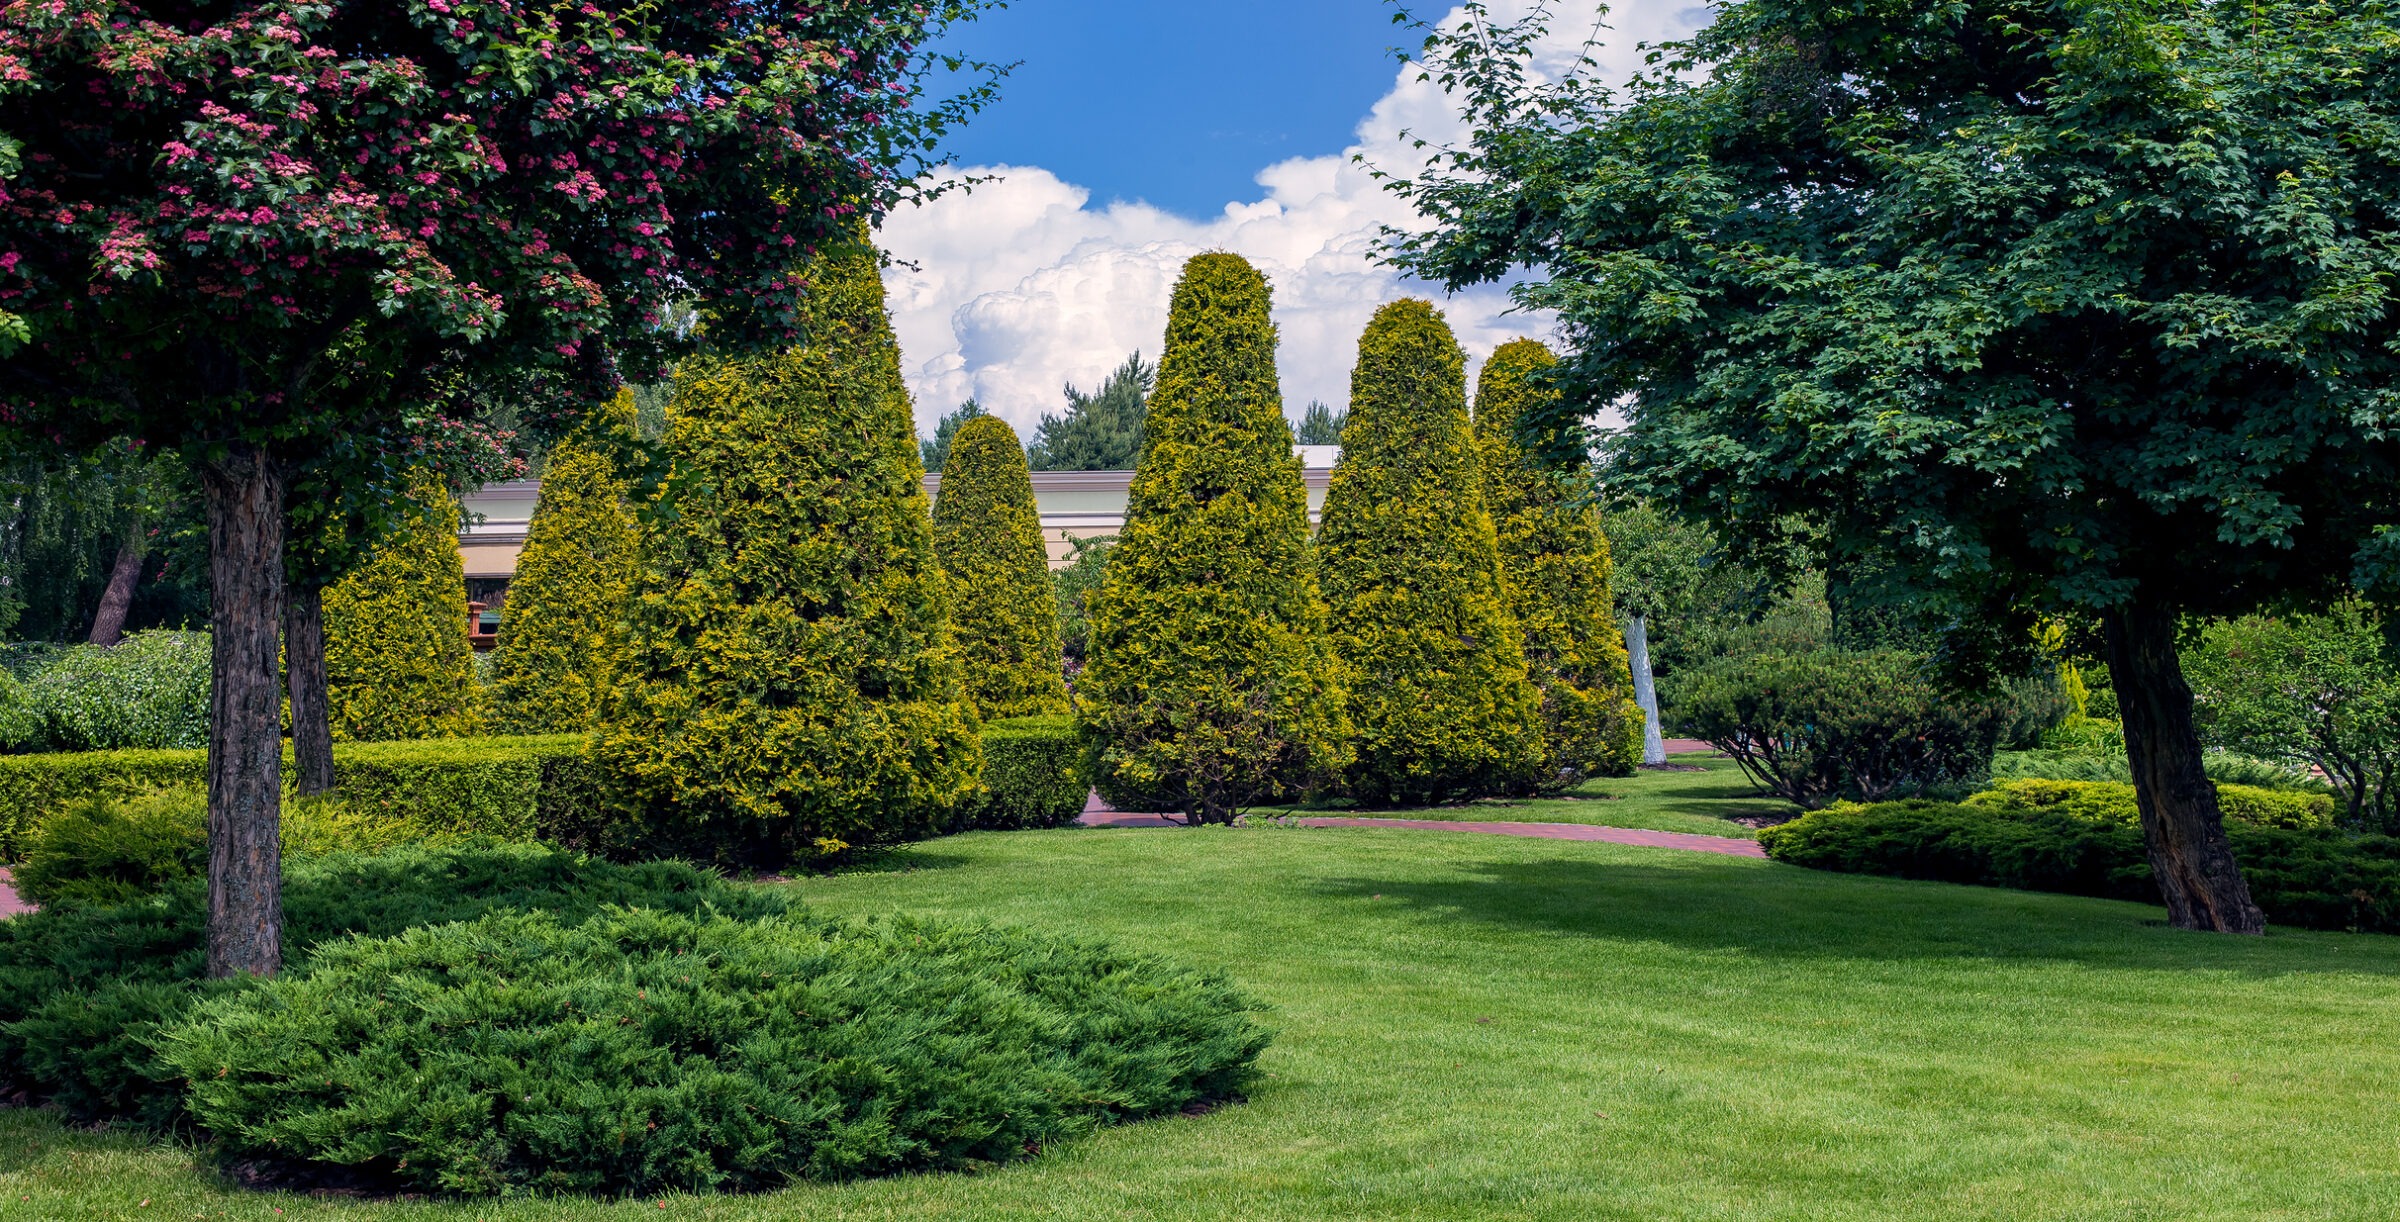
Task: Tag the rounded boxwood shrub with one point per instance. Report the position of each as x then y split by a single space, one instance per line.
85 991
1556 561
789 687
1037 772
1210 684
552 660
987 532
148 692
397 661
643 1051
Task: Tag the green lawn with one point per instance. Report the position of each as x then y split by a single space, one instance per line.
1476 1027
1704 802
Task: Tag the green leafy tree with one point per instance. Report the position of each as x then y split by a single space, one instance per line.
937 447
1439 690
92 544
1099 432
1320 425
987 533
2315 690
1211 685
2079 310
1555 559
557 630
397 661
1086 569
789 686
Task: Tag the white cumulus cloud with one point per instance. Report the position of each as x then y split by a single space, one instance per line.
1007 292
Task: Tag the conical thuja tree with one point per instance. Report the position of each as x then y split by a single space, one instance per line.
1210 685
1439 693
397 662
1555 559
788 685
555 631
987 533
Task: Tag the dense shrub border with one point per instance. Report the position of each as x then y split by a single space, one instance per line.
649 1051
513 788
2315 878
2113 802
1037 772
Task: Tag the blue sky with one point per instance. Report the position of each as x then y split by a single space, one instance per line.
1177 104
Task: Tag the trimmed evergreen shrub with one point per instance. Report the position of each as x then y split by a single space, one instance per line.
1555 560
397 661
149 692
1210 684
1824 724
1439 691
2315 878
33 788
987 533
2223 767
1037 772
551 664
790 687
84 991
103 851
2112 802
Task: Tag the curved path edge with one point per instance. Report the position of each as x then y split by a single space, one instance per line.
10 905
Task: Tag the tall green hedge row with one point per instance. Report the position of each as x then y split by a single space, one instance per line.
1439 691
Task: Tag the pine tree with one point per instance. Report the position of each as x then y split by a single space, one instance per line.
789 686
1440 695
552 663
397 662
937 447
987 533
1555 557
1099 432
1210 684
1320 425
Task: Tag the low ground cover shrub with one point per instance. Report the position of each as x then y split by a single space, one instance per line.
1037 772
103 851
651 1051
1825 724
85 991
2313 877
2113 802
148 692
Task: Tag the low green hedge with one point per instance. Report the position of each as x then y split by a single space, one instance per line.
511 788
644 1052
2313 877
2113 802
1037 772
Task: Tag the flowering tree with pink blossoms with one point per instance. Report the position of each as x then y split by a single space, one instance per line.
273 233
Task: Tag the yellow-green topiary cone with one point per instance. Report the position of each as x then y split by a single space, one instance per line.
397 661
1555 557
987 532
553 658
789 685
1439 692
1210 684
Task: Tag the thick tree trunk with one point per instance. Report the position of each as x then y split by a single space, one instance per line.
2185 833
108 623
304 660
1645 692
244 492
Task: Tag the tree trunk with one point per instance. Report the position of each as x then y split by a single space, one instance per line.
1645 693
2185 833
244 492
108 623
304 660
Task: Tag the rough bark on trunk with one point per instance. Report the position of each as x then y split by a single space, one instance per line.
1645 693
304 660
2181 826
244 492
108 623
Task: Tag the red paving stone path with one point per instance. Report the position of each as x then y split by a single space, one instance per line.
10 905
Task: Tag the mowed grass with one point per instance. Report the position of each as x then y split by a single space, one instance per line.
1479 1027
1705 802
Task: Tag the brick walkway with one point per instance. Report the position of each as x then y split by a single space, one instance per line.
1095 815
10 905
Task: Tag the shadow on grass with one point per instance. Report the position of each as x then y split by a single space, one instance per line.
1783 912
